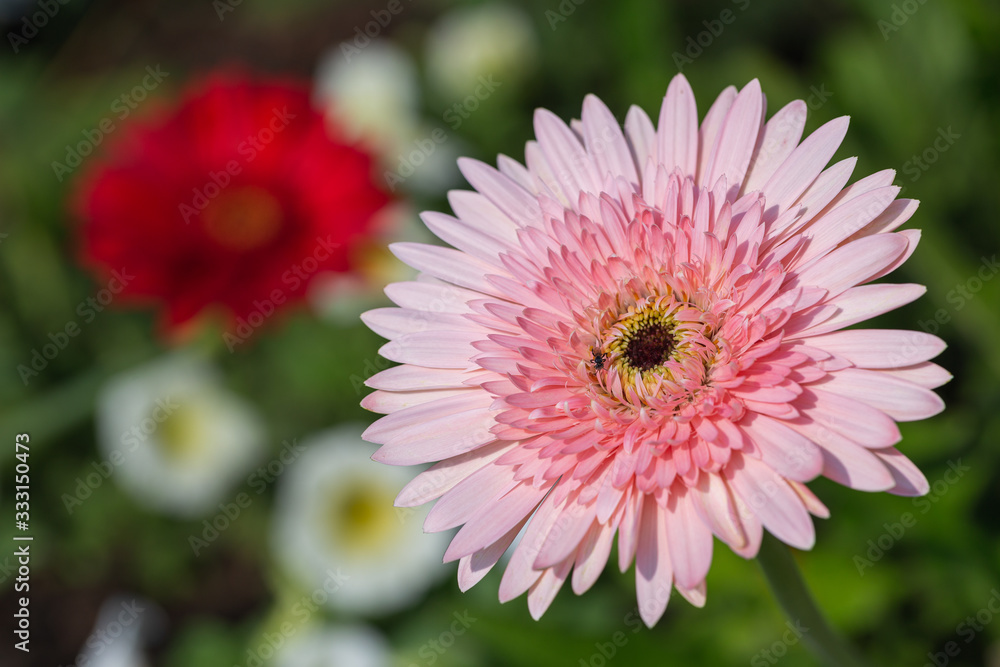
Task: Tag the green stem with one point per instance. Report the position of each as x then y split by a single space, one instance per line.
786 582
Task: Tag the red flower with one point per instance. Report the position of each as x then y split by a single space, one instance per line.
237 197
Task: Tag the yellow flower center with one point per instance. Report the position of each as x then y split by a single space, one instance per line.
243 218
642 340
179 433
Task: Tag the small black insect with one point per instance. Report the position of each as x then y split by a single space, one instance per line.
599 359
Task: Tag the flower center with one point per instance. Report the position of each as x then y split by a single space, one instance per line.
243 218
180 434
649 346
358 519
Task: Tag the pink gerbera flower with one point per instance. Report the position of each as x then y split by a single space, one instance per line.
642 334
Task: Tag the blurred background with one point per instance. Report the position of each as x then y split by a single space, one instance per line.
204 500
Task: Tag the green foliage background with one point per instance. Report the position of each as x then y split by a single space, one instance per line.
903 71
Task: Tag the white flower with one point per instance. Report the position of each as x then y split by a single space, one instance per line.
338 646
495 40
334 510
374 94
173 437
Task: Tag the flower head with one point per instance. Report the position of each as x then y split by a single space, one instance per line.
641 335
473 44
235 198
174 437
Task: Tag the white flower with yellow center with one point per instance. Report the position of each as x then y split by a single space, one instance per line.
334 512
174 437
471 43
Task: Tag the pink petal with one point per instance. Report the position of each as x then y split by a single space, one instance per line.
695 595
520 174
859 422
839 223
467 238
433 349
545 179
574 171
895 215
710 127
476 210
506 512
472 569
544 591
516 203
433 297
628 530
912 237
592 557
805 163
418 378
388 402
812 202
641 136
880 348
717 509
901 400
605 142
689 541
852 264
445 475
520 575
437 439
813 504
737 139
464 499
864 302
396 322
768 496
448 264
783 449
653 571
926 374
562 541
779 138
854 466
909 480
404 420
752 528
879 179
